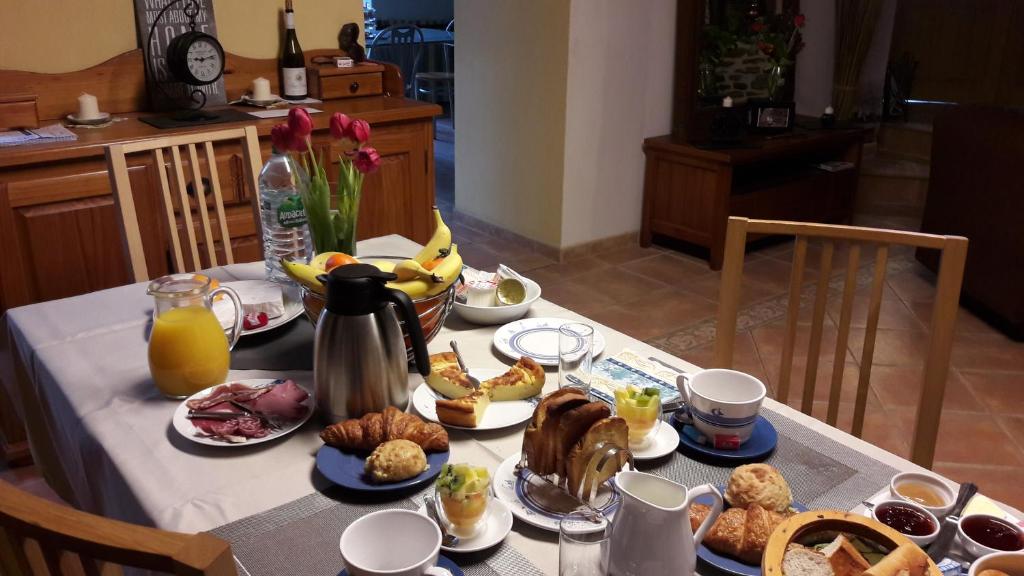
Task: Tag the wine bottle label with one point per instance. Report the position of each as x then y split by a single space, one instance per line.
294 81
291 213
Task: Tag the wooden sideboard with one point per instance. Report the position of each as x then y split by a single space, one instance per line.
58 224
690 192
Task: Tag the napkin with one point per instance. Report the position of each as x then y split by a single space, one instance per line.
256 296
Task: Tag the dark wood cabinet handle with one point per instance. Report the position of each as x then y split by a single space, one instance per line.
190 189
353 87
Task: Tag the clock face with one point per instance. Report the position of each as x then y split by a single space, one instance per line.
204 60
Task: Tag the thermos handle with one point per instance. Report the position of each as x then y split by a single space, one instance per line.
407 311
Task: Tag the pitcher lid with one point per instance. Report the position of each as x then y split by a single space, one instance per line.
356 289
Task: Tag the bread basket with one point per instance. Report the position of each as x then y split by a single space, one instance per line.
806 523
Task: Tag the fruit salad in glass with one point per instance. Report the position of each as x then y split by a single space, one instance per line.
641 409
463 492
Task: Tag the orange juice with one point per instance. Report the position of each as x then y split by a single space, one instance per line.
187 351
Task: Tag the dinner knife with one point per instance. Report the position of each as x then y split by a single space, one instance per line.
940 547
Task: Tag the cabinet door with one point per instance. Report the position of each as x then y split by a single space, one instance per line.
396 199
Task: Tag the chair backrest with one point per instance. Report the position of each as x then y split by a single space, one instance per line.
42 537
175 190
402 46
448 48
953 253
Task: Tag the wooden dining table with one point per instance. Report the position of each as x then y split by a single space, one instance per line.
101 433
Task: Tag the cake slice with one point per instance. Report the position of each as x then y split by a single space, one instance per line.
523 380
573 425
447 378
467 411
613 430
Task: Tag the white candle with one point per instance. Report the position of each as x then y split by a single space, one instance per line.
261 89
88 107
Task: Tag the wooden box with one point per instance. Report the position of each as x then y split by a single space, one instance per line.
331 83
18 111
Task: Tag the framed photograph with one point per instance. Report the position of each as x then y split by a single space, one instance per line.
766 116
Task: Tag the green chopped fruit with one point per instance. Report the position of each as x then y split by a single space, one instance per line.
652 392
460 478
643 401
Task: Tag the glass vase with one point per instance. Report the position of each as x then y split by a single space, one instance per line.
776 78
346 217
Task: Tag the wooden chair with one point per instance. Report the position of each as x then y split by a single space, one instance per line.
42 537
434 84
117 168
953 253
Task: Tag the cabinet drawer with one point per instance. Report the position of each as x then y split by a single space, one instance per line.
349 86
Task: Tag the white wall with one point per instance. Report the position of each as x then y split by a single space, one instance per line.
876 61
619 91
815 64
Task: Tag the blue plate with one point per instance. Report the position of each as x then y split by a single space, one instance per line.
346 469
442 561
728 564
761 443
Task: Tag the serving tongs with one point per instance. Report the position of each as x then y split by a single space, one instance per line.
599 457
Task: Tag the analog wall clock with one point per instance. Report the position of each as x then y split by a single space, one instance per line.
195 58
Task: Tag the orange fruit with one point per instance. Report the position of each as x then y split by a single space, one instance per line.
339 260
433 263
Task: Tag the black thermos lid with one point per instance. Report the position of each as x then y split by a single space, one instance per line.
357 289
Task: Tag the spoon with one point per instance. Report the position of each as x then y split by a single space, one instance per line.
447 540
462 364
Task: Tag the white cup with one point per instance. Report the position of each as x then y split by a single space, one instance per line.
723 405
392 543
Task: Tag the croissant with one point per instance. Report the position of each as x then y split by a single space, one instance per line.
375 428
739 533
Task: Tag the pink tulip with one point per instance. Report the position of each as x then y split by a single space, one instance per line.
298 142
367 160
300 122
359 131
340 124
281 137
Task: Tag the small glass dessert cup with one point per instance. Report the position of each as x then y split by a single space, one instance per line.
463 492
641 409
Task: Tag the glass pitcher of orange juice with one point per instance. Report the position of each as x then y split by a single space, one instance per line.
188 348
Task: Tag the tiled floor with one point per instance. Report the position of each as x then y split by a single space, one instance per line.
669 299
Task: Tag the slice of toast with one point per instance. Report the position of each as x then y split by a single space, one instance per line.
572 426
467 411
533 441
613 430
549 430
844 558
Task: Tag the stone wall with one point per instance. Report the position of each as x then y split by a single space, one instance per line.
741 73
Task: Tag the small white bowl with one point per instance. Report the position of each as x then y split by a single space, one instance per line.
1010 562
941 487
921 541
488 315
976 549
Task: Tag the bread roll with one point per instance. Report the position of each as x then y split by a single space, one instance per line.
395 460
758 484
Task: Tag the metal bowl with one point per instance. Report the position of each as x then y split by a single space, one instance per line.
432 310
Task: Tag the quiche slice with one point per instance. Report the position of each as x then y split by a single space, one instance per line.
447 378
523 380
467 411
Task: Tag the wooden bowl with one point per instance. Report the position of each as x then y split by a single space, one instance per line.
805 523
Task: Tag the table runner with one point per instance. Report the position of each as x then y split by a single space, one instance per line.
302 536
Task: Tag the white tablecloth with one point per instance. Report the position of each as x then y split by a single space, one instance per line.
86 386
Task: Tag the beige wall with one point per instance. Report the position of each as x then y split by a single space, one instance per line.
66 35
511 60
618 94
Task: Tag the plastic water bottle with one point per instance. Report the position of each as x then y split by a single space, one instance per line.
283 218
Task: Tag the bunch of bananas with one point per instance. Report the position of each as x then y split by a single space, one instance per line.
432 271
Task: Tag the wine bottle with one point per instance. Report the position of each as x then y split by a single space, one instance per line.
293 63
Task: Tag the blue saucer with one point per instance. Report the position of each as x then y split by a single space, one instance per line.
346 469
442 562
761 443
728 564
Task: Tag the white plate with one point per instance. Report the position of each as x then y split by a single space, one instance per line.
292 308
102 118
539 503
498 414
499 524
665 441
184 426
536 338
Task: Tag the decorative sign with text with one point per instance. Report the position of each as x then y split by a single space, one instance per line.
173 23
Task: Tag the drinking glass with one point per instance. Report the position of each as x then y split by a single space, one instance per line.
464 513
575 355
641 413
583 543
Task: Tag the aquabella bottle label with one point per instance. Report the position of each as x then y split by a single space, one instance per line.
291 213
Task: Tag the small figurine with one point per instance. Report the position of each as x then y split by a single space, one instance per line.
828 119
348 40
